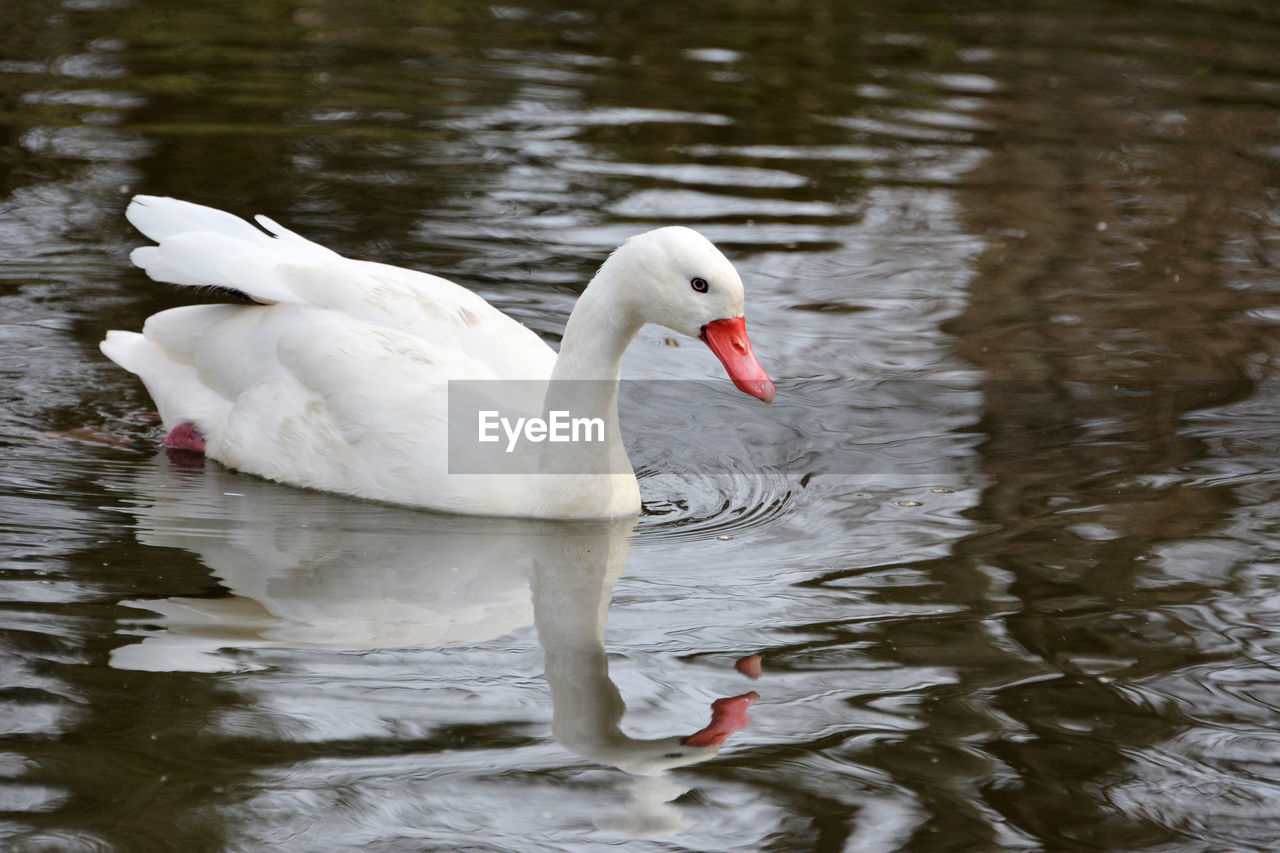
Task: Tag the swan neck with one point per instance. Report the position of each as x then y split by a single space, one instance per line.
597 334
584 387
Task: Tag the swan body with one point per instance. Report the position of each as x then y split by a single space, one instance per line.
338 377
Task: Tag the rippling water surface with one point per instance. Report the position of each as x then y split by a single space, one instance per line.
1009 569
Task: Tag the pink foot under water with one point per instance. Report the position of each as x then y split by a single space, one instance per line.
185 437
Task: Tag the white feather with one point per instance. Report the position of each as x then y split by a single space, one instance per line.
339 381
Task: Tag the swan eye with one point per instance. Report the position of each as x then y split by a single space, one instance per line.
699 284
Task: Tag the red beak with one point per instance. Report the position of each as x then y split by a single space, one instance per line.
728 340
727 716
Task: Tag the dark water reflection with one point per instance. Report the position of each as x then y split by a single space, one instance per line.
1046 621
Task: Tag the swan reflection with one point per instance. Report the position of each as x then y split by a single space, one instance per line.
314 571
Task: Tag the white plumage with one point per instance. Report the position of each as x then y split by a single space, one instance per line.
338 379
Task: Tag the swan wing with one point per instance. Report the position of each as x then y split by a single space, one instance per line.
308 396
198 245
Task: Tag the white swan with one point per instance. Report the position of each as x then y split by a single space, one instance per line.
338 378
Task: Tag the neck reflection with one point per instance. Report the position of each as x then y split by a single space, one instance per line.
311 571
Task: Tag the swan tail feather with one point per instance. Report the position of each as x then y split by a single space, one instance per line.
201 246
173 385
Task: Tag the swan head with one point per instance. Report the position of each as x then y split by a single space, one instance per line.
677 278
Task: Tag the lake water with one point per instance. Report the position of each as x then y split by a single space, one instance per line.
1011 571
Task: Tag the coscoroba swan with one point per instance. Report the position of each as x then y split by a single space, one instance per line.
338 377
